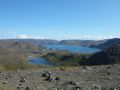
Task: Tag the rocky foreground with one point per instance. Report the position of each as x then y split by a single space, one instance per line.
104 77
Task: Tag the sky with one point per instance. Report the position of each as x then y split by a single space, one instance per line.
60 19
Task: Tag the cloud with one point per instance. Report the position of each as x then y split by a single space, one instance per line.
26 36
23 36
91 37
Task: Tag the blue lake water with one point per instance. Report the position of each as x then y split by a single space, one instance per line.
40 61
72 48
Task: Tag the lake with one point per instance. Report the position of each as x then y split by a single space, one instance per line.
40 61
72 48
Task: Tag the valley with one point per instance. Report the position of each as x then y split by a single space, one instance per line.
31 66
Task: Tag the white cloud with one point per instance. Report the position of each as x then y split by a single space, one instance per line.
91 37
26 36
23 36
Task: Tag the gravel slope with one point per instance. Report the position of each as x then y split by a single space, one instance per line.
104 77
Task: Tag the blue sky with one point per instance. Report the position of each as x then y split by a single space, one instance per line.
60 19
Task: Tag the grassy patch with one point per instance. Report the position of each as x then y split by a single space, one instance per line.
65 58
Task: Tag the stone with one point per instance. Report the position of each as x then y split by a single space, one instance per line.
96 87
49 78
5 82
72 83
77 88
22 79
57 78
104 88
27 88
46 74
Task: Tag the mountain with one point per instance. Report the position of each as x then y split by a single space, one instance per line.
101 44
40 42
82 42
109 55
15 46
108 43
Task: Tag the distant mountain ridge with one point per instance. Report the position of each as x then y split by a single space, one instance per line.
101 44
38 41
82 42
64 42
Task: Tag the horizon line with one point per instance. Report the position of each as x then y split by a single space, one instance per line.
55 39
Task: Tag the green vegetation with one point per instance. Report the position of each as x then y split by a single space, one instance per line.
65 58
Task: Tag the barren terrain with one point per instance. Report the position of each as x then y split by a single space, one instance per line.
102 77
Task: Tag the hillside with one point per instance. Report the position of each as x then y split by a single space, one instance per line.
17 46
108 43
13 55
38 41
109 55
62 58
82 42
